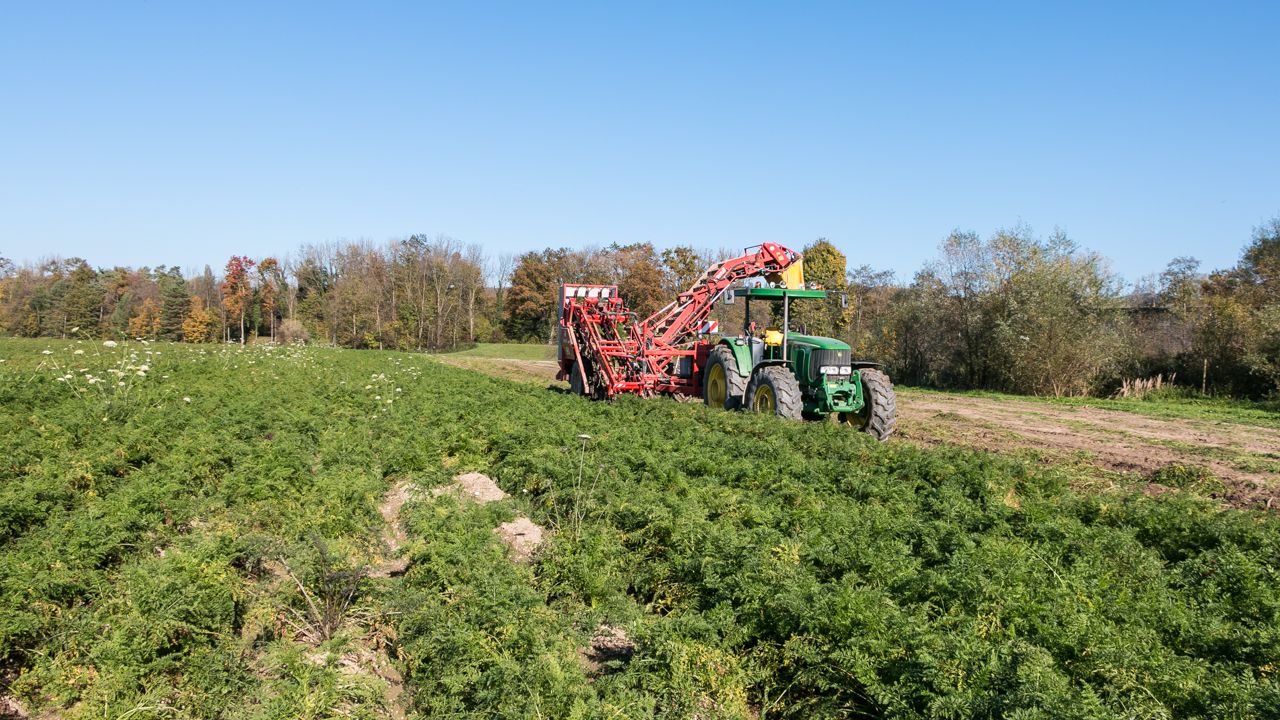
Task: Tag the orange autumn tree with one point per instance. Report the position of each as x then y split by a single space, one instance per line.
237 289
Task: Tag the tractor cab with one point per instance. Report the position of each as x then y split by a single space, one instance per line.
772 342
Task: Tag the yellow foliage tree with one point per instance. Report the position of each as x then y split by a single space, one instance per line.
200 323
146 324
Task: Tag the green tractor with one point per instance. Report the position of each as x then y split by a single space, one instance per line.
797 376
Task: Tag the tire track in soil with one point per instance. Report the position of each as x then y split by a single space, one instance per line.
373 657
1110 439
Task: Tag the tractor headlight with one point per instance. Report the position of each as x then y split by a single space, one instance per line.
846 370
829 370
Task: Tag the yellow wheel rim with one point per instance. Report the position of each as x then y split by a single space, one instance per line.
717 386
765 401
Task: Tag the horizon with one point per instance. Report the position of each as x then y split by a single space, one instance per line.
1129 284
150 135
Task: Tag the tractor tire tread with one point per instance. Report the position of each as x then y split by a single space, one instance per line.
737 385
786 389
884 404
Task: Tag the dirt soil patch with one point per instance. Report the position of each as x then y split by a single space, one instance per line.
522 535
473 486
393 535
608 645
11 708
521 370
1244 457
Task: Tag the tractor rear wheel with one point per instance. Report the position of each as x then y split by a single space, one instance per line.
775 391
879 414
722 386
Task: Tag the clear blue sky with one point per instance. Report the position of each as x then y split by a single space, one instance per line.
180 133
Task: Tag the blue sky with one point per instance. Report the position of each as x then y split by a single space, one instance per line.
180 133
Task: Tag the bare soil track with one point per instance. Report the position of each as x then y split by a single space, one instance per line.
1243 456
1110 445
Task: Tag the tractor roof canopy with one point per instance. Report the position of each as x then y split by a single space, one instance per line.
777 293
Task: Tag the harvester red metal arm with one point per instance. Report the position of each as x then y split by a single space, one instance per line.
679 320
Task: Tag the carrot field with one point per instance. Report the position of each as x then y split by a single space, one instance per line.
209 532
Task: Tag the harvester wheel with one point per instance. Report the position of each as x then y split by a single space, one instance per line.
722 386
879 416
774 390
577 384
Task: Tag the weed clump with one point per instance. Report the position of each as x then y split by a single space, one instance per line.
1189 477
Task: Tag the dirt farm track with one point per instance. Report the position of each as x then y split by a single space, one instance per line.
1110 446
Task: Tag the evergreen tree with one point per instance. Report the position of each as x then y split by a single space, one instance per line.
175 302
81 301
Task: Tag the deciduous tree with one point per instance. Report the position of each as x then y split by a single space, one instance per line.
146 324
200 325
237 289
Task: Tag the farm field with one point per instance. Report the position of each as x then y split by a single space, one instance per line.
1107 442
221 532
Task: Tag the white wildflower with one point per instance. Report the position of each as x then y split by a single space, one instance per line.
121 383
186 399
108 343
46 352
79 352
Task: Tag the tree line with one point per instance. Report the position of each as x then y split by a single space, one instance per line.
1012 311
417 293
1020 313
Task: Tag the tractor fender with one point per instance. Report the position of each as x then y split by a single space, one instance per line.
767 363
741 354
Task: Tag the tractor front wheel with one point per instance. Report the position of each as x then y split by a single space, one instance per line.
722 386
879 414
774 391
